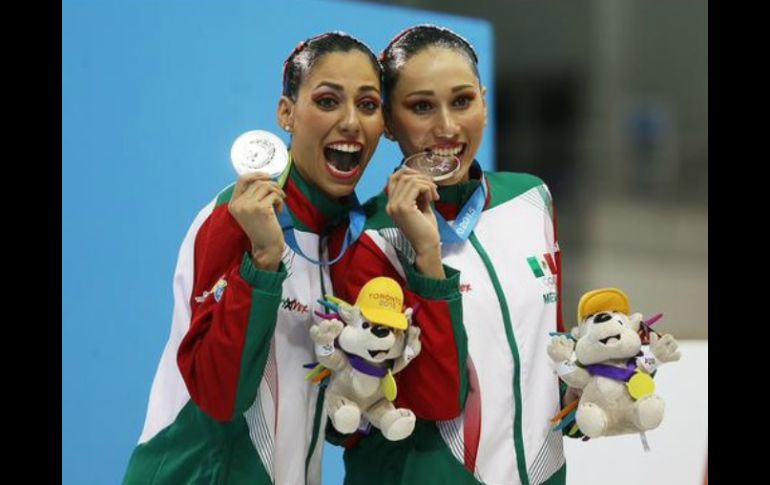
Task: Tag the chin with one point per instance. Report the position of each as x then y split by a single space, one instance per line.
339 190
452 181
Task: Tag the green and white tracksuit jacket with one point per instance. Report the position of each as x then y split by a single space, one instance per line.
493 370
230 403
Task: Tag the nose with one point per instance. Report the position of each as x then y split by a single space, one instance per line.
350 123
446 127
379 331
602 317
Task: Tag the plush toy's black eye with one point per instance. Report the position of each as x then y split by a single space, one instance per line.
602 317
365 325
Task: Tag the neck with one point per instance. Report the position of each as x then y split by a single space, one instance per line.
311 208
453 196
305 177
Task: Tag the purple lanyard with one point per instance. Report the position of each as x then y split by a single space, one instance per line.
612 372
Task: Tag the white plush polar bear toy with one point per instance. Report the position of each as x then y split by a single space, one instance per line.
608 365
376 341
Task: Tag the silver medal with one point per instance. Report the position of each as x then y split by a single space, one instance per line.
259 151
437 167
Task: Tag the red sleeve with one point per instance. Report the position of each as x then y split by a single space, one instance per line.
234 308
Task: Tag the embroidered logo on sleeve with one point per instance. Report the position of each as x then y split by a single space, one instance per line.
217 290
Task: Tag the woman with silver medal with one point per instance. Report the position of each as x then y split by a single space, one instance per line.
229 403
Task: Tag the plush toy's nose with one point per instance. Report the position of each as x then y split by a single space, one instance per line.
380 331
602 317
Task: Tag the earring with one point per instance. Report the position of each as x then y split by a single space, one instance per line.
287 128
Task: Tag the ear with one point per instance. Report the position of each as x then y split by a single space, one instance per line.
408 314
350 314
636 320
285 113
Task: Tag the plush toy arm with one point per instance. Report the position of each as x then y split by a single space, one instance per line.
325 331
573 375
323 334
561 348
411 350
664 349
334 361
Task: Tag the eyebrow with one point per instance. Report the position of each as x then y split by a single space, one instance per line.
369 88
334 86
339 87
428 92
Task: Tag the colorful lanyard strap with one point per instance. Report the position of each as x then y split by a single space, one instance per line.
461 228
355 227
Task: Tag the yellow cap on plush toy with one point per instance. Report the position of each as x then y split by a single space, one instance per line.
603 300
381 301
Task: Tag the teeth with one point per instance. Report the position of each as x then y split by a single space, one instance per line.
345 147
448 152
